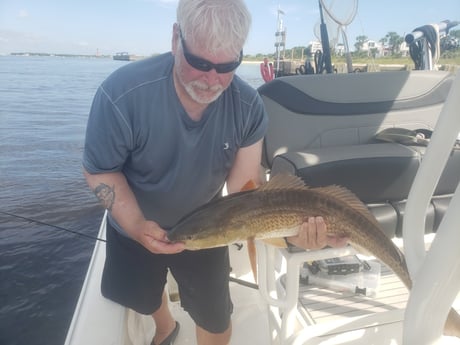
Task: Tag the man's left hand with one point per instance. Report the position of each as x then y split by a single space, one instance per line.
313 235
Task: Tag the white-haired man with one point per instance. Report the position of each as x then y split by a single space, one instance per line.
163 136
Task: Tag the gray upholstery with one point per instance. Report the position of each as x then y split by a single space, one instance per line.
322 128
348 109
374 172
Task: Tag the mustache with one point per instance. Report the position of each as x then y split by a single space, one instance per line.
204 87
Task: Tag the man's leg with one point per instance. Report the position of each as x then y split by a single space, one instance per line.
164 321
204 337
136 278
203 279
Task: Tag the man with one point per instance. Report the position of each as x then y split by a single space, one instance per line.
164 134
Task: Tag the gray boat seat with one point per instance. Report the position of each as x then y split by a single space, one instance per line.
323 128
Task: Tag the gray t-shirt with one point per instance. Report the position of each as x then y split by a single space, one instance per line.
173 164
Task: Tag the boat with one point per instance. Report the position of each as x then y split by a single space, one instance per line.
125 56
328 130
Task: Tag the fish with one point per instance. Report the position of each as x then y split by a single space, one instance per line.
277 209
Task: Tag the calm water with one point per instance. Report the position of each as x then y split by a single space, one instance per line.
44 102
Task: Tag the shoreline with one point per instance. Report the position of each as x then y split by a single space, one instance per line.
251 62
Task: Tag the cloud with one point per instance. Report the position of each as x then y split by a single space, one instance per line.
23 13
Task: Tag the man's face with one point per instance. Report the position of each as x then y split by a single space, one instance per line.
203 87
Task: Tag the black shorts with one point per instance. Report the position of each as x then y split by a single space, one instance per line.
135 278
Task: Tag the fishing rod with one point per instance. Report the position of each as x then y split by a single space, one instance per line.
324 60
53 226
243 283
232 279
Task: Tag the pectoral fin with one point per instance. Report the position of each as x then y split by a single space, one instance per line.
250 185
252 257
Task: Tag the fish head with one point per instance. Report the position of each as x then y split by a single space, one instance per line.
214 224
198 232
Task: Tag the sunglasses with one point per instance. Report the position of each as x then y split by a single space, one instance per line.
205 65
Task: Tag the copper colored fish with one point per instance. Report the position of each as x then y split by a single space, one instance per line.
278 208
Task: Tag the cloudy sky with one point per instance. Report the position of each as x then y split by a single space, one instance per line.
143 27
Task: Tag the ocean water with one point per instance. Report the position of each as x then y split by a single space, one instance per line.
48 217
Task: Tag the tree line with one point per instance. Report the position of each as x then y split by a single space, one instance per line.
450 47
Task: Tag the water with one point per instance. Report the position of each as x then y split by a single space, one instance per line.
44 102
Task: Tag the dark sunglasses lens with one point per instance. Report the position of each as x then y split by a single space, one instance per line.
205 66
198 63
225 68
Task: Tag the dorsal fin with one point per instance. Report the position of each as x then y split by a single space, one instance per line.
348 197
283 181
287 181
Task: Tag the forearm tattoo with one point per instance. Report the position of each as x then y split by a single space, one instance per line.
106 195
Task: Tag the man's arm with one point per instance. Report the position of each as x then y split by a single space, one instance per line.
116 196
246 168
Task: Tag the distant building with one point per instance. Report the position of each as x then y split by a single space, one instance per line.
340 49
377 48
371 47
404 49
315 46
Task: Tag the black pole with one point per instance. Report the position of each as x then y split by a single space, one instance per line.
325 42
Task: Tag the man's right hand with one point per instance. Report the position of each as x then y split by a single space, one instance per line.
155 239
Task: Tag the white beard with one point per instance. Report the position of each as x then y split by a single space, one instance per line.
193 89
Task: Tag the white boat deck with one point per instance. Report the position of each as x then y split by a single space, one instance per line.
320 305
325 316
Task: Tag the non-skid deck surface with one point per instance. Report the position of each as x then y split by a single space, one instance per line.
320 305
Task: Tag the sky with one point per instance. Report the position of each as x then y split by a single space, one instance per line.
143 27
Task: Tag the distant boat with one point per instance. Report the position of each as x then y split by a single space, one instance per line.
125 56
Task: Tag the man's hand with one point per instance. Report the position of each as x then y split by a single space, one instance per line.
115 194
313 235
155 239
